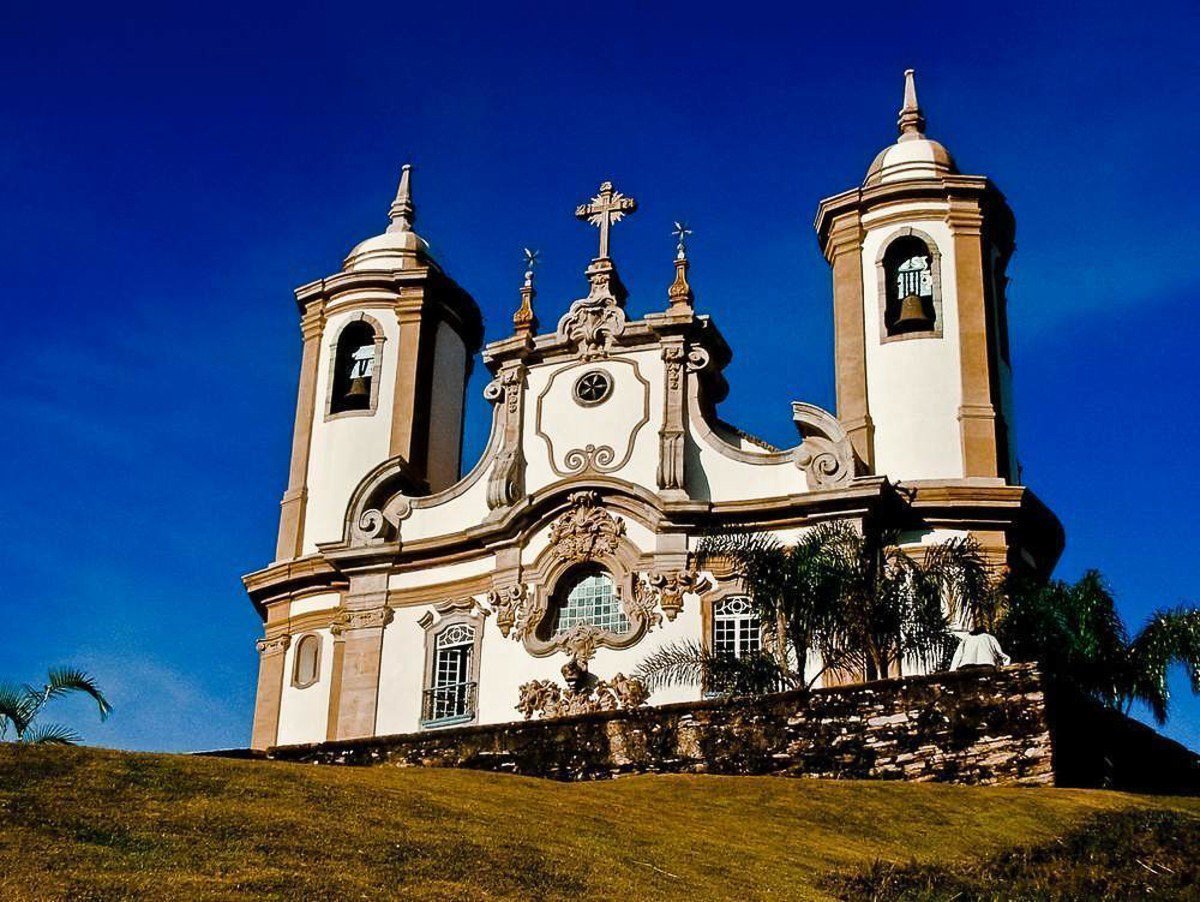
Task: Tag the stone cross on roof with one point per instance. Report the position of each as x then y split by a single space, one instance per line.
605 208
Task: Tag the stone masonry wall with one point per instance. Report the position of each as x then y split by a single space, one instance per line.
982 727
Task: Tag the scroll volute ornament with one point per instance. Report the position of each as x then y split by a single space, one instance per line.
673 586
586 531
509 605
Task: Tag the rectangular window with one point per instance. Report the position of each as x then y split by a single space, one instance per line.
736 630
451 696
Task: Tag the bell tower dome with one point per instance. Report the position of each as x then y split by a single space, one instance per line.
918 254
388 347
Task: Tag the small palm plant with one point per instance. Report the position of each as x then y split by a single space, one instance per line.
856 599
21 706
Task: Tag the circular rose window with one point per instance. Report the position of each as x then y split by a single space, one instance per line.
592 387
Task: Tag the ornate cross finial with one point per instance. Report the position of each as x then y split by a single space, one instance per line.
603 210
911 122
524 320
403 214
681 232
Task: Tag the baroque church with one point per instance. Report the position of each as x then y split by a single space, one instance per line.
405 596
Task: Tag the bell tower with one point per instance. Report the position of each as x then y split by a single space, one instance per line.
388 347
918 254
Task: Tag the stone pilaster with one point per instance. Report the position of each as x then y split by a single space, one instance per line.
506 482
977 414
291 517
359 629
272 653
844 252
671 435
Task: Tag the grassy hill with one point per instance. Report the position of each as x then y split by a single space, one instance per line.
94 824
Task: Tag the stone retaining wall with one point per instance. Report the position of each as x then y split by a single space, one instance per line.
982 727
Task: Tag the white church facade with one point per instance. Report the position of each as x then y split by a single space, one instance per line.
405 597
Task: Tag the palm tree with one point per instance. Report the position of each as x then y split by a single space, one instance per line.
857 599
20 707
1076 634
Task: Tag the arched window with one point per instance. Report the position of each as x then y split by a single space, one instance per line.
909 287
450 697
591 599
354 369
736 630
307 666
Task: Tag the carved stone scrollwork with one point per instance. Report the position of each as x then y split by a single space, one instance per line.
698 359
273 645
643 603
370 618
546 698
506 482
509 605
371 526
826 454
672 587
586 531
593 322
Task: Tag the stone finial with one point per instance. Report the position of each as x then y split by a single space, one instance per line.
911 122
402 213
525 322
680 292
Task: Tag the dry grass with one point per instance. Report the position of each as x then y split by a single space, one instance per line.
92 824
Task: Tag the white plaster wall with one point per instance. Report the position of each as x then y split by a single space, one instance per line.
345 448
570 425
310 603
304 713
914 386
401 673
446 415
714 476
431 576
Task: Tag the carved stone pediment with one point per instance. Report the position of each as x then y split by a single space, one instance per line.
586 531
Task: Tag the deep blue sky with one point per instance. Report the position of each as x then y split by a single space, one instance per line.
169 177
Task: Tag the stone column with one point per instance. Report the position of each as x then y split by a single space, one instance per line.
291 517
844 252
272 655
359 629
977 414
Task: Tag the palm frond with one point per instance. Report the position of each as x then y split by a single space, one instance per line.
689 663
52 734
1169 637
674 664
65 680
16 708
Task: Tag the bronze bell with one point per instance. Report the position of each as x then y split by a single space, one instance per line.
913 317
358 388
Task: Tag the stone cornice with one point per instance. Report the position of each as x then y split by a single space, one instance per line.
957 188
427 283
288 578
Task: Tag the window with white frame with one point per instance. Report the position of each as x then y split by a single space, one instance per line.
736 630
450 697
592 600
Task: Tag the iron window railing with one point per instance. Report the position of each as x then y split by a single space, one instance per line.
450 704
